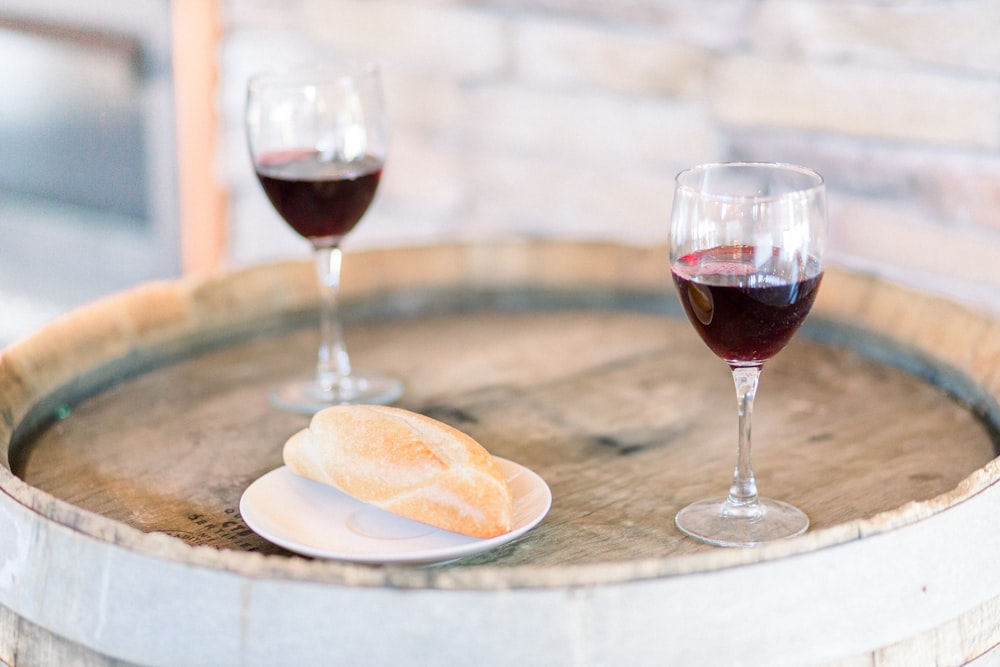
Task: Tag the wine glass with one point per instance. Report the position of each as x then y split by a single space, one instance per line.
746 255
317 136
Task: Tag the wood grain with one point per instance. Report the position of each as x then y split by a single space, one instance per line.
625 414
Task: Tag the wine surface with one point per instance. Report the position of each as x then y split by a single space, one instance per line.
746 304
320 199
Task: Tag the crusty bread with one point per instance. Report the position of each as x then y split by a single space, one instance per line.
405 463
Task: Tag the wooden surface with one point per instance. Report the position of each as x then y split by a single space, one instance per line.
626 414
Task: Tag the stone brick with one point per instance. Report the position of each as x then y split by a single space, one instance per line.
387 225
859 101
523 197
718 24
598 127
248 52
424 101
452 39
423 176
960 34
240 15
959 187
257 233
563 53
899 243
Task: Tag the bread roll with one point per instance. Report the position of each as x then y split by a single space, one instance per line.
407 464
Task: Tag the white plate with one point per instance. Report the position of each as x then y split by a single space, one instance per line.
318 520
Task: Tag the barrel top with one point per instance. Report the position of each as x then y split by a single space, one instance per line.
140 419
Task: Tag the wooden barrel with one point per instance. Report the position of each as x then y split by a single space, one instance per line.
133 426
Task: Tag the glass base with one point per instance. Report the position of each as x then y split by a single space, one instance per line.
308 397
723 524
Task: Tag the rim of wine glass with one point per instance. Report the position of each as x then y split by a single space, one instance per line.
818 185
306 73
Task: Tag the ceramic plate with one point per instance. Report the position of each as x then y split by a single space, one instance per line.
317 520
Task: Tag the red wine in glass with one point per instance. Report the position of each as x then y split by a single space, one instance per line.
744 302
746 256
319 198
318 139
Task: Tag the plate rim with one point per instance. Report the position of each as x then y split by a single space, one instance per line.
419 556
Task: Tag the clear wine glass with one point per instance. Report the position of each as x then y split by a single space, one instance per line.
746 255
318 136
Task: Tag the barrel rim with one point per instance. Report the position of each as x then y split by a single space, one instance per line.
191 305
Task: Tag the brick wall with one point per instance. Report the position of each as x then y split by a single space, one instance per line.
569 118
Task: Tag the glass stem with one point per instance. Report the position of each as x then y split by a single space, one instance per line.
742 500
333 365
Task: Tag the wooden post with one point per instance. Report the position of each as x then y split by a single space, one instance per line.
202 202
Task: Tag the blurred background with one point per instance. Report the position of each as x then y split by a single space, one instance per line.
122 154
